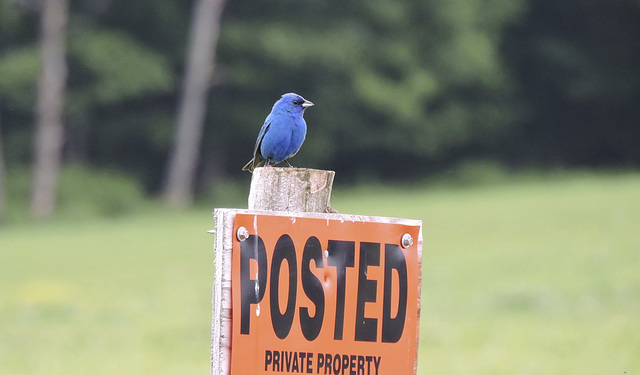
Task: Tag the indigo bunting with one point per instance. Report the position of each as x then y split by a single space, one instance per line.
282 133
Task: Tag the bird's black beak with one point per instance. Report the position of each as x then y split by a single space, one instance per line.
307 103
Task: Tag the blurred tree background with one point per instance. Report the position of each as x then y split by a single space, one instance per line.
403 89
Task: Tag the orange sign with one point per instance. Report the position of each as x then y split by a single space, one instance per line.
324 296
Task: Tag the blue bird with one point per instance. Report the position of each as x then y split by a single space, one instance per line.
282 133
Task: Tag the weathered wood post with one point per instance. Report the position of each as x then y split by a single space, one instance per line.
291 190
347 300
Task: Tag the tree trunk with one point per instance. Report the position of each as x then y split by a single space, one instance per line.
50 105
291 190
203 38
2 175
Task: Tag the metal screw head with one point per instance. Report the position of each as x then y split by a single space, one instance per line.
407 240
242 234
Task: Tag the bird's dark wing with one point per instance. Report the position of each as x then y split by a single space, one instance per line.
263 131
257 156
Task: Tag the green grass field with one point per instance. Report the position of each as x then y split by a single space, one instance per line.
523 277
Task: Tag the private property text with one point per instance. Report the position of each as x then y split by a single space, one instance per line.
320 363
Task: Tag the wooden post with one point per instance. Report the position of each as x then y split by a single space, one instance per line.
221 317
291 190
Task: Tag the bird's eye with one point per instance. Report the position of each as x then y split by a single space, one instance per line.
296 102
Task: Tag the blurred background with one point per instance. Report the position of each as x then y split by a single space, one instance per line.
510 127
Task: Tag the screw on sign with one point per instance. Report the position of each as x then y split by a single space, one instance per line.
321 296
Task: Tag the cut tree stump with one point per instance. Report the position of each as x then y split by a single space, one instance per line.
291 190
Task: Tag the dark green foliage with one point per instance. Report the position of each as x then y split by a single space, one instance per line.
393 82
578 66
402 88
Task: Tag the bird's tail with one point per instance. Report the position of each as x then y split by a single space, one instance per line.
249 166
